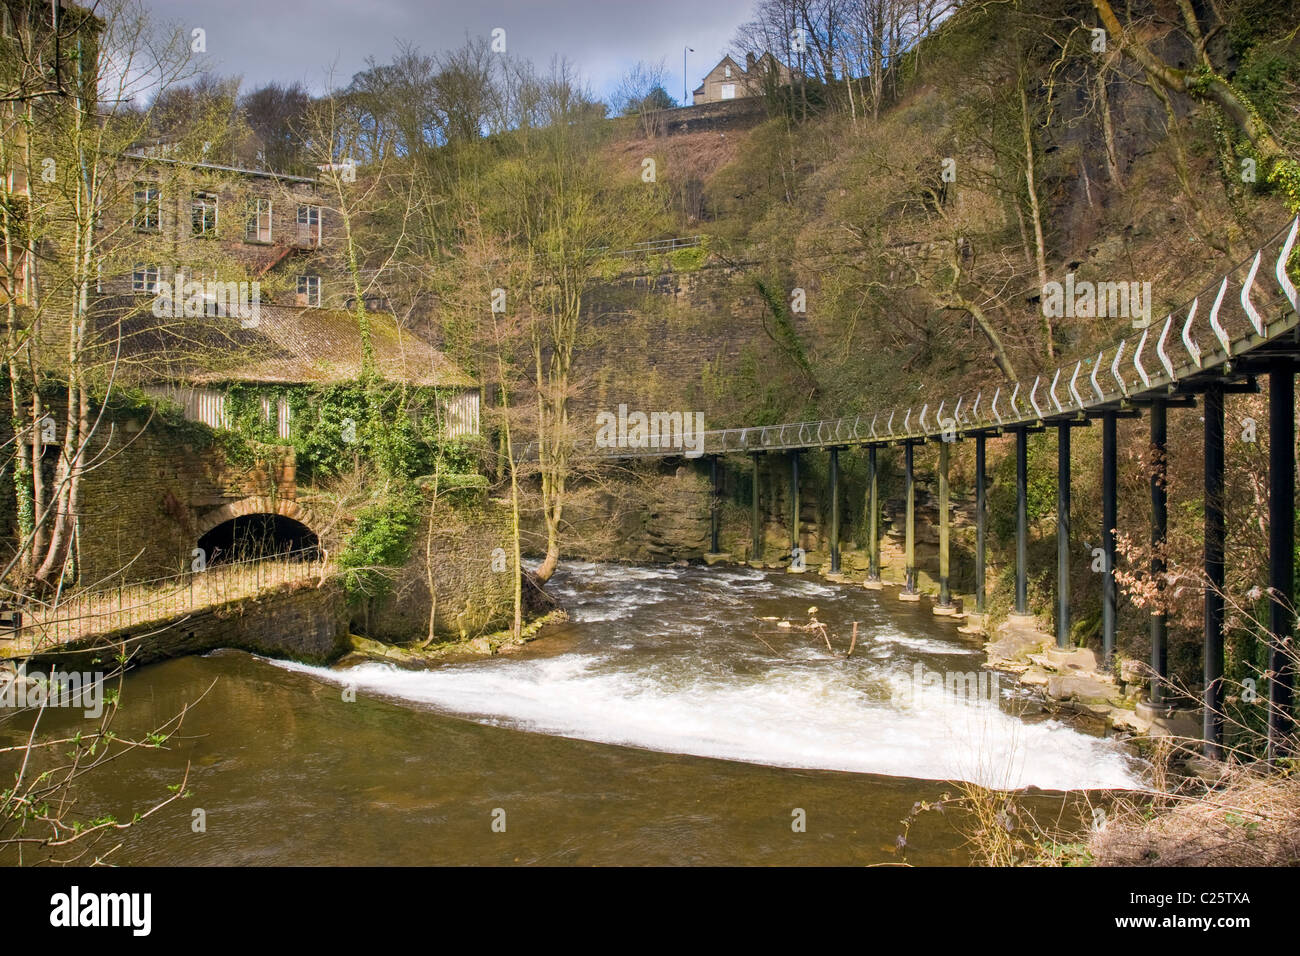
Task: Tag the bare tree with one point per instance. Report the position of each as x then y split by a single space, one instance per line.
275 113
643 93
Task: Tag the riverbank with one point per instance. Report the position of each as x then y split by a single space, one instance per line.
476 648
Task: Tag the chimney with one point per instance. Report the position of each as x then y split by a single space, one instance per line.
749 63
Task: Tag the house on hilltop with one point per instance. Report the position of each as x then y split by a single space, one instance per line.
730 81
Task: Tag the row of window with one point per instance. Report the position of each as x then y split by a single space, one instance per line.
459 413
145 279
203 216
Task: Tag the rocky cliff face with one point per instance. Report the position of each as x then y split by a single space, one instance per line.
660 512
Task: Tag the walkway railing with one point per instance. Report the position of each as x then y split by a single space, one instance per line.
1251 305
658 246
157 601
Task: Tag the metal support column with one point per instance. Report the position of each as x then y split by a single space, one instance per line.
873 516
755 528
1281 558
980 510
835 511
1212 701
909 584
1063 535
1159 524
945 598
1022 520
794 500
1109 519
715 505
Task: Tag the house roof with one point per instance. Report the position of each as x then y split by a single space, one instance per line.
726 59
151 154
760 62
289 345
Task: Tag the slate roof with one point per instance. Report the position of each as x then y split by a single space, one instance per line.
289 345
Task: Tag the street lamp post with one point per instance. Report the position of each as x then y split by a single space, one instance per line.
685 82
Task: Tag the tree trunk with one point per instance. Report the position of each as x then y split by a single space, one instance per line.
1036 218
1108 129
1207 86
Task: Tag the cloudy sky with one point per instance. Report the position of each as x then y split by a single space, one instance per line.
297 40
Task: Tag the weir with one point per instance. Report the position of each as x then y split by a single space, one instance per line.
1198 353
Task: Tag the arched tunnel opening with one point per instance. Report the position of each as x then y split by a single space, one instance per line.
253 536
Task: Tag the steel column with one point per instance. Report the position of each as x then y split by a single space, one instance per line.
1109 520
1214 576
873 516
980 510
835 511
794 500
1063 535
755 530
1022 520
909 584
1281 557
715 503
1159 524
945 598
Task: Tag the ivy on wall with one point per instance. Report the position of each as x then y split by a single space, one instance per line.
335 428
394 433
382 539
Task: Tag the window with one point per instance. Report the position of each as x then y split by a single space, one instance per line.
148 208
144 278
309 225
203 214
283 418
309 291
728 72
728 91
259 220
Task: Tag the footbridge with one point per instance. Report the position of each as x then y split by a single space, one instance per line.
285 604
1237 330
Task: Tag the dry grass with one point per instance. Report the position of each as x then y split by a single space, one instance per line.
685 155
1249 819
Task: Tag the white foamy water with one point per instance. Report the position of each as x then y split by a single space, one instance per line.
927 644
669 677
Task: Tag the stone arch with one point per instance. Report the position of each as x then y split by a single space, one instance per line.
258 526
259 504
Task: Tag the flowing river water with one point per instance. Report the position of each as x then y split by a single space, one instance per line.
671 720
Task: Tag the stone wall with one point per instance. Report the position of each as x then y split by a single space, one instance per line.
644 512
472 594
147 501
159 487
722 116
669 341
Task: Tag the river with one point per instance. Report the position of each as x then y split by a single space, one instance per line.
671 720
